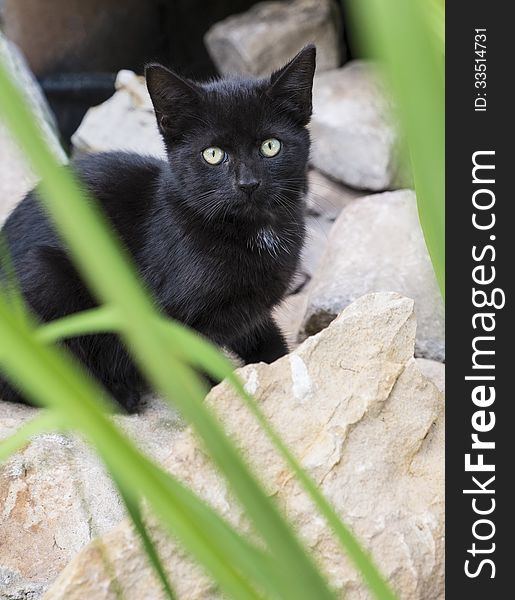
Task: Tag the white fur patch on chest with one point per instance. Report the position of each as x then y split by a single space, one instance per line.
266 240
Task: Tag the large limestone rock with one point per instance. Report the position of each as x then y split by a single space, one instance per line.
377 245
355 408
354 139
55 497
16 178
271 33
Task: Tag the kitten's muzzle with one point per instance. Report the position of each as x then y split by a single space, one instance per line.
248 186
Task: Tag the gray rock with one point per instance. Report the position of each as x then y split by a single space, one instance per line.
265 37
354 139
16 178
352 404
377 245
55 497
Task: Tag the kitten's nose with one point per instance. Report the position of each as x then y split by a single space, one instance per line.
248 186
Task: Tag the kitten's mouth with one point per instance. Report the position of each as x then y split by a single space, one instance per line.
254 209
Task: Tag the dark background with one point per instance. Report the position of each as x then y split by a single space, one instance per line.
76 47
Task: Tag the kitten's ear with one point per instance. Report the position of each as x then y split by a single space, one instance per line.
174 99
292 85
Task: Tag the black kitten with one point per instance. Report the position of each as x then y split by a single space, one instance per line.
216 231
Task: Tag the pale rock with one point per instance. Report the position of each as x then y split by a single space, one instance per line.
125 122
376 245
16 177
354 407
354 138
269 34
55 496
317 235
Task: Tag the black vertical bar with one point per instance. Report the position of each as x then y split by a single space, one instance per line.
479 119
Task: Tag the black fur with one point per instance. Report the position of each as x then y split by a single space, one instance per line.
217 252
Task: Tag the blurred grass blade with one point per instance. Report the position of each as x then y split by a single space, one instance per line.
9 282
133 509
403 33
48 376
45 422
105 267
202 355
96 320
305 580
435 11
45 373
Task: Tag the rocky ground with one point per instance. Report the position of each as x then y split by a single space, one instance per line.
359 399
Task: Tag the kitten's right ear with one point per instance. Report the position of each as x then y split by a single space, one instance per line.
292 85
173 97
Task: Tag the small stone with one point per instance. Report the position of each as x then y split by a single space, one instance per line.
269 34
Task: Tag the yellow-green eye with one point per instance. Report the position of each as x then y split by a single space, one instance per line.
270 147
213 155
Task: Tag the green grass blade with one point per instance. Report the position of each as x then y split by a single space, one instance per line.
203 355
9 282
133 509
70 207
304 579
96 320
46 375
222 551
400 31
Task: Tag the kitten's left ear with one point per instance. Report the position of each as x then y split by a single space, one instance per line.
292 85
175 99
